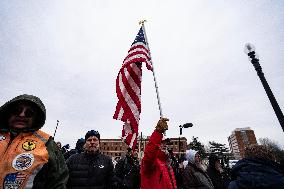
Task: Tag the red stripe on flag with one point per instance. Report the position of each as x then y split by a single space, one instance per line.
136 78
131 92
128 88
127 110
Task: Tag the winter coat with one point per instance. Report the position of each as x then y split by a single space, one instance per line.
156 172
90 171
219 180
195 178
256 173
29 157
127 173
70 153
176 169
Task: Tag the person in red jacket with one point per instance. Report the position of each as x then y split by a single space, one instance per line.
156 170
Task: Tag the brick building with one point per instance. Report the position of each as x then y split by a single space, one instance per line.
116 147
113 147
239 139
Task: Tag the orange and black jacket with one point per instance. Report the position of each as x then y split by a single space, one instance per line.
30 158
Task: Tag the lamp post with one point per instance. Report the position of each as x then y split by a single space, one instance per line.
186 125
250 51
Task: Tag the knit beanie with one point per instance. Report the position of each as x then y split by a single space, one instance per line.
92 133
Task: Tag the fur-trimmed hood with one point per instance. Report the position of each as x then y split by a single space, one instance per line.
190 155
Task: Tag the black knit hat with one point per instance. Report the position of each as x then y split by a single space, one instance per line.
167 141
212 159
130 149
92 133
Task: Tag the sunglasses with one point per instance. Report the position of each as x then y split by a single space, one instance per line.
29 112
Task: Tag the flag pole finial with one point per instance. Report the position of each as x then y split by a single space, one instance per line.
141 22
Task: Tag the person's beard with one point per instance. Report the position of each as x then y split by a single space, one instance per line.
91 150
200 165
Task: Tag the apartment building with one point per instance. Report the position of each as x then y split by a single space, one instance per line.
239 139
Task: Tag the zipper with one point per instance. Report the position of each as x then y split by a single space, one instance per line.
10 141
161 175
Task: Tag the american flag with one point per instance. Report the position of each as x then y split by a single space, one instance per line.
128 88
18 176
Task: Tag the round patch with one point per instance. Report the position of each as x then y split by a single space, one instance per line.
23 161
29 145
2 137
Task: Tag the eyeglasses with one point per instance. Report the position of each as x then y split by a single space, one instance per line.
29 112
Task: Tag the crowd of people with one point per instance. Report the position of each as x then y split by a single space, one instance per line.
30 158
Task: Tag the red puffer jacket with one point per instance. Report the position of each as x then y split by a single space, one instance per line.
155 173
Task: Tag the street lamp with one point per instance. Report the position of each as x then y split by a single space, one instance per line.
186 125
250 51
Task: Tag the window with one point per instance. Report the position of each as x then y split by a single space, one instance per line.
244 137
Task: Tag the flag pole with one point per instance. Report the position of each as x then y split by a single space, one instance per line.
55 129
155 80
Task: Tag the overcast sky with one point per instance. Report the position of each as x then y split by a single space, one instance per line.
69 53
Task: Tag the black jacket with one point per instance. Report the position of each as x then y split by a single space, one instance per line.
256 173
90 171
219 180
127 173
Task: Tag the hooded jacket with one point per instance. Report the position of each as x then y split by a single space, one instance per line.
155 170
29 157
193 176
256 173
219 180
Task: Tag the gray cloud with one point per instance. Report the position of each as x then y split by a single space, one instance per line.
69 53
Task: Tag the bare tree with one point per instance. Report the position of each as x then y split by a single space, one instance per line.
274 147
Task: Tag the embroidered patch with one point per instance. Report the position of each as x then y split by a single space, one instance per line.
14 180
2 137
29 145
23 161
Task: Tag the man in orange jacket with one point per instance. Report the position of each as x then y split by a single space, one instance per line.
156 170
29 158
